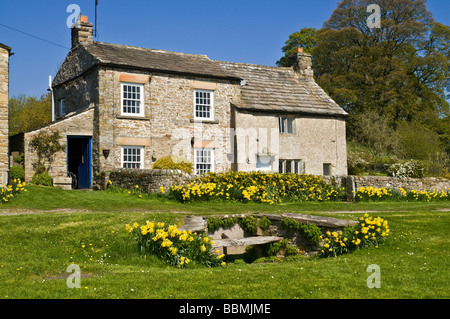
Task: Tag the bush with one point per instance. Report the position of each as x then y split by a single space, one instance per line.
413 168
17 172
417 141
173 162
43 179
312 232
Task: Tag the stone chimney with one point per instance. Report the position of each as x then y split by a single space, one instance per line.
82 31
303 65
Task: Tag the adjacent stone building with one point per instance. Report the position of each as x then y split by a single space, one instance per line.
5 53
119 106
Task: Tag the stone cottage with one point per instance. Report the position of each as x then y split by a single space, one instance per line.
119 106
5 53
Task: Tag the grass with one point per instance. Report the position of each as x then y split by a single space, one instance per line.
37 249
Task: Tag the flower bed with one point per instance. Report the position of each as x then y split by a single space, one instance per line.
12 190
369 232
384 194
256 187
178 248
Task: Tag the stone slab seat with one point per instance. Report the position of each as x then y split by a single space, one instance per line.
246 241
320 220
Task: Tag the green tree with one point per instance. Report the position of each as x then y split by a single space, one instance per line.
305 38
27 113
399 70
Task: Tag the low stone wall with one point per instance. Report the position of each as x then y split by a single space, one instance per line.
353 183
149 180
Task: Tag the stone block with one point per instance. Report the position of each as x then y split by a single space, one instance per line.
63 182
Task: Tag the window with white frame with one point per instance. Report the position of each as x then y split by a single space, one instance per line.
132 157
132 99
204 160
62 107
296 166
203 101
286 125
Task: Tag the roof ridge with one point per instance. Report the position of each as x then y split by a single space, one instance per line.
257 65
150 49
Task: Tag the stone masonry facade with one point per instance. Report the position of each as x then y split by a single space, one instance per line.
5 53
243 131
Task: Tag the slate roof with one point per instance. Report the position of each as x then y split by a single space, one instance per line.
281 89
157 60
271 89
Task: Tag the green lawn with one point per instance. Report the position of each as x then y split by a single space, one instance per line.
47 229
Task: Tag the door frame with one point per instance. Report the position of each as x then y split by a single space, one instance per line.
89 152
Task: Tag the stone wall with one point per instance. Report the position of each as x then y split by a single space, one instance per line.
315 141
167 126
148 180
353 183
75 125
4 98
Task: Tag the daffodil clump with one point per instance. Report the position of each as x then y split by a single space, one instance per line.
12 190
176 247
384 194
255 187
369 231
424 196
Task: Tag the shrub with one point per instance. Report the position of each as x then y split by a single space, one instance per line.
177 248
17 172
311 232
413 168
43 179
46 145
173 162
214 223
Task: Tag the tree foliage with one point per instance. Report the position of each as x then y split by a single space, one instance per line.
27 113
399 70
305 38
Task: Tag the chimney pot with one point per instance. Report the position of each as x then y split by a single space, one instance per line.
299 50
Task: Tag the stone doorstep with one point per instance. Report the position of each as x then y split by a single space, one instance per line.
64 183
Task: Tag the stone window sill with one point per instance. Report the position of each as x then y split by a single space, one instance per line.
204 121
125 117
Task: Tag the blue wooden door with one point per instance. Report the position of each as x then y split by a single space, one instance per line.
79 160
84 169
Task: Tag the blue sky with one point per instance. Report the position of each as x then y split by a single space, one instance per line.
233 30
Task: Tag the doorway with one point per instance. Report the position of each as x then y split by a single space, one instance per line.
79 161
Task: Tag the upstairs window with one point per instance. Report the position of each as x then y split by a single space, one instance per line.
203 105
286 125
132 99
62 107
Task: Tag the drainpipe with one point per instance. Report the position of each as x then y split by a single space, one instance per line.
53 101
